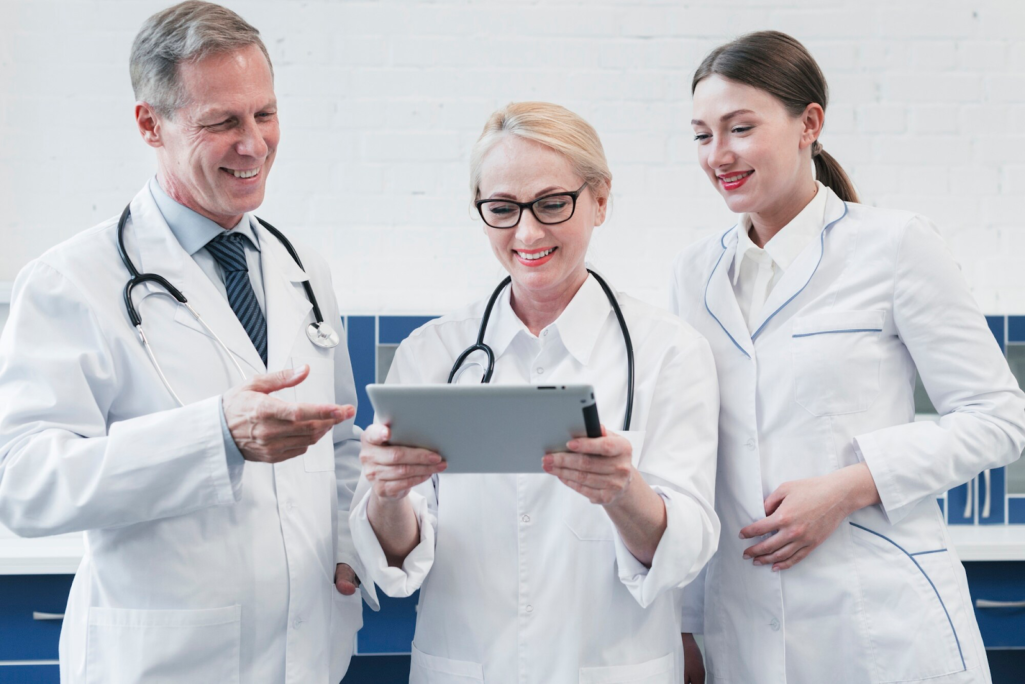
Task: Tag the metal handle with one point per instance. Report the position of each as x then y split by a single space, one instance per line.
36 615
987 476
985 603
968 499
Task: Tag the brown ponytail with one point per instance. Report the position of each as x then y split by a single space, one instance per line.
781 66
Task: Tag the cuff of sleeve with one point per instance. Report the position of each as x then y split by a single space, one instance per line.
220 474
869 452
236 462
676 561
395 582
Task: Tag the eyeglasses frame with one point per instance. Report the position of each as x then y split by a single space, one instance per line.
530 205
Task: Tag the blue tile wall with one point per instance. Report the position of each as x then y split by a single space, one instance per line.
361 335
1016 510
1016 328
394 329
998 325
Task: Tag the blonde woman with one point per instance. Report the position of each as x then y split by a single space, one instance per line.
565 576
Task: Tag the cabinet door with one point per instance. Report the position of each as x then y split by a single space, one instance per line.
26 601
998 595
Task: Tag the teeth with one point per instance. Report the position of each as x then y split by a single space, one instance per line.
245 174
538 255
734 179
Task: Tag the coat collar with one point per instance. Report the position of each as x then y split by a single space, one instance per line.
578 326
803 268
160 252
721 300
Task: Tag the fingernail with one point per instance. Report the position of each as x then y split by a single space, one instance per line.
443 466
776 568
742 536
572 444
296 373
747 556
435 458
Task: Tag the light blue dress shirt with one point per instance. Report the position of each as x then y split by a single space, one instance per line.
193 231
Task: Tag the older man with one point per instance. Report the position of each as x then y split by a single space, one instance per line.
212 492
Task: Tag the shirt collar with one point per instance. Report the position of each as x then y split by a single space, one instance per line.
577 326
193 230
790 241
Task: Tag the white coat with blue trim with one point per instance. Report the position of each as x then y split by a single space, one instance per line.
825 381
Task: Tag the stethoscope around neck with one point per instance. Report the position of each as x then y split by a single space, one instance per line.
489 369
319 332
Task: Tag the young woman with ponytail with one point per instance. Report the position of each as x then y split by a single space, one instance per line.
834 563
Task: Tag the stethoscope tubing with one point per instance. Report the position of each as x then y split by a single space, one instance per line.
138 278
489 370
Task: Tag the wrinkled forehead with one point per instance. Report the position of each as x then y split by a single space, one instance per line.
228 80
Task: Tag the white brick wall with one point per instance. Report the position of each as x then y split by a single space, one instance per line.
381 102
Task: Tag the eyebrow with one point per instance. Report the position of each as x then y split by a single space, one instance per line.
547 191
724 117
228 113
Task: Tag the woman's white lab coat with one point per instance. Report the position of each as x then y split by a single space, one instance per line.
825 381
521 579
191 573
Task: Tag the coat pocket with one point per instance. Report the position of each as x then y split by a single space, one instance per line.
837 357
346 620
912 611
428 669
657 671
128 646
317 388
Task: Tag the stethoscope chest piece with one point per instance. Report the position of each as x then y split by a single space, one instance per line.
322 335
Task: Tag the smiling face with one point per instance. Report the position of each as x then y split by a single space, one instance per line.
214 154
753 150
546 262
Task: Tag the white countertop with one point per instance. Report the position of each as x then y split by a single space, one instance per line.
61 555
989 542
46 556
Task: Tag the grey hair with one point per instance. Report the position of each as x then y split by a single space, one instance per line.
188 31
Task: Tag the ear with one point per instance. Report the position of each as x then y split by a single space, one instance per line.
602 205
812 120
149 123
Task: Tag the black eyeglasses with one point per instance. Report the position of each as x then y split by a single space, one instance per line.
549 210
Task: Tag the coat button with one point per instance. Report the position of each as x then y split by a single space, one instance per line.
540 370
525 519
529 609
750 444
774 625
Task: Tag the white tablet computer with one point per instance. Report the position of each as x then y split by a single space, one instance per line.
487 428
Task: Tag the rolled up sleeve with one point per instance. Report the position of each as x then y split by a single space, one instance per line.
678 460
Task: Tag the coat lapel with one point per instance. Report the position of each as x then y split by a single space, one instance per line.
720 298
160 253
800 273
287 305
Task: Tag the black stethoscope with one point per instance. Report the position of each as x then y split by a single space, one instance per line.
320 333
490 369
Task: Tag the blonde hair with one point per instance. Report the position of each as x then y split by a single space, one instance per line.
552 126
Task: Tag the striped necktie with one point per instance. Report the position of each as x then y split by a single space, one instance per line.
229 251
